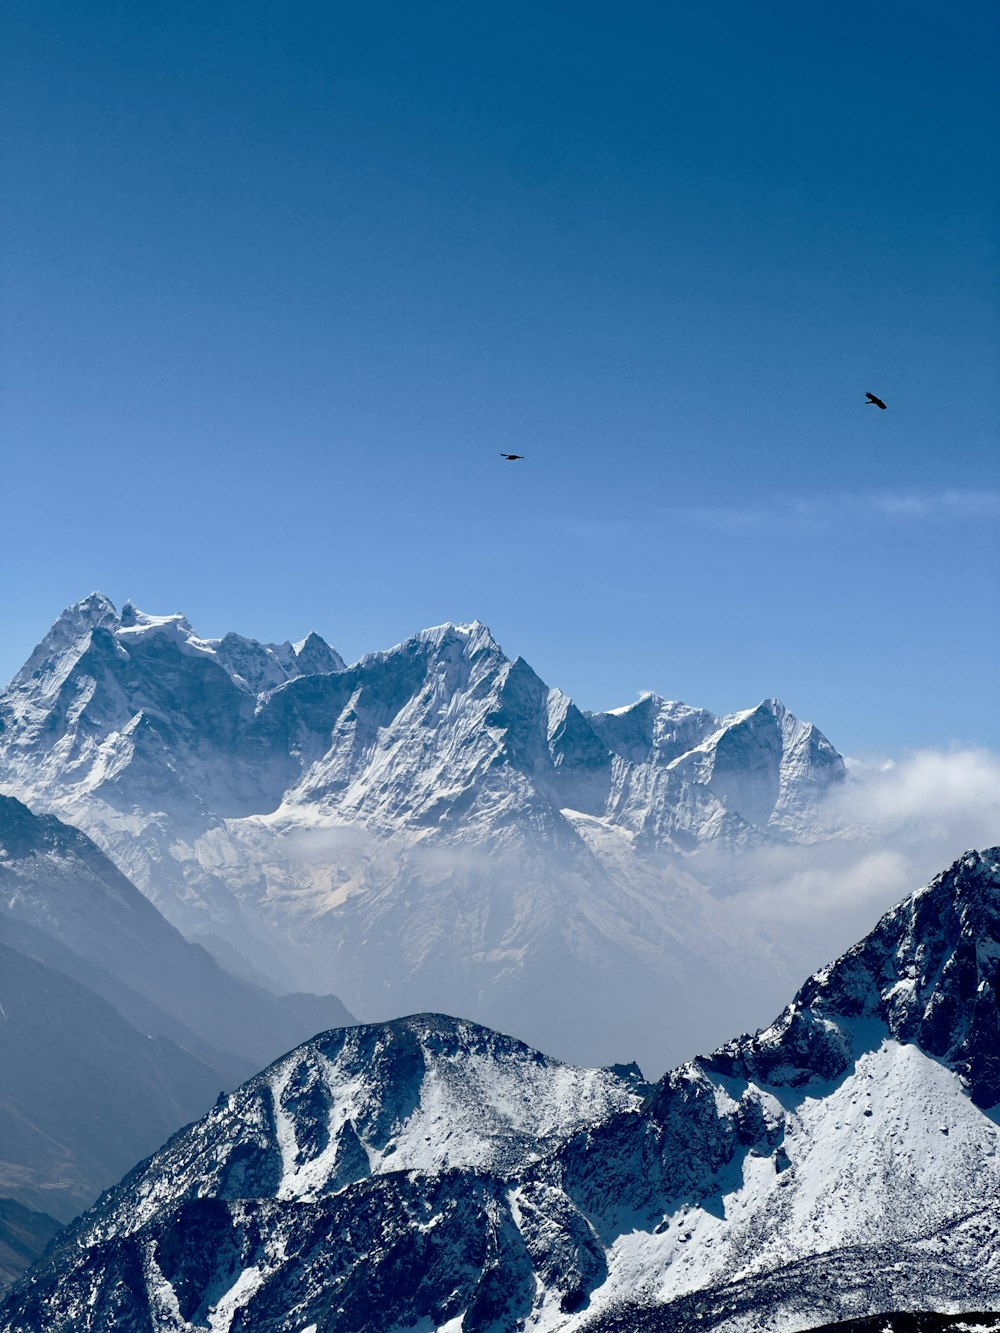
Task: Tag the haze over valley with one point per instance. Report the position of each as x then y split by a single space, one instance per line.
499 738
436 828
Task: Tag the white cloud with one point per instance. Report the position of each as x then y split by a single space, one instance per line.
807 513
891 827
939 505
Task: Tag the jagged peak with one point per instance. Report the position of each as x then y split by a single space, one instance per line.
252 666
90 612
647 700
928 973
770 709
95 605
66 640
311 640
474 632
471 637
315 656
767 708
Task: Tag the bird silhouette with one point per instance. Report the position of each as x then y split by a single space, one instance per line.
872 400
511 458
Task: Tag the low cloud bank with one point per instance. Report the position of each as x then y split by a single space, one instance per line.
891 827
652 960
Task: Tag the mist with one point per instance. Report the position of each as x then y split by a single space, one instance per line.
890 828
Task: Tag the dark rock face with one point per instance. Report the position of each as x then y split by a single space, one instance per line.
305 1097
917 1322
198 1252
110 1278
429 1170
929 971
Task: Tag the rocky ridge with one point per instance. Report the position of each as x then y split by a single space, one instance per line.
838 1164
431 827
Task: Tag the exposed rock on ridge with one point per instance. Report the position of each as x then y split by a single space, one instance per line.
829 1167
432 827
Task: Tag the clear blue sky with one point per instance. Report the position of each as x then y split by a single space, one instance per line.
280 280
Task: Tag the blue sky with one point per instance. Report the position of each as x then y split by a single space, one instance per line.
279 281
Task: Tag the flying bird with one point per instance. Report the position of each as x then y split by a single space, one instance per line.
873 400
511 458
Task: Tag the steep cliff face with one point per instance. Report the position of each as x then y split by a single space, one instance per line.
432 827
428 1172
105 702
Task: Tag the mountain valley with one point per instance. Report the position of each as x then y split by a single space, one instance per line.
428 1172
430 828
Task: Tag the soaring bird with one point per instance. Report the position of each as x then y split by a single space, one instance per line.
873 400
511 458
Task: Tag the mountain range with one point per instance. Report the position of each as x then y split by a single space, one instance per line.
430 1173
432 827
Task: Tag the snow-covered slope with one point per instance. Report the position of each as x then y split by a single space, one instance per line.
432 827
428 1173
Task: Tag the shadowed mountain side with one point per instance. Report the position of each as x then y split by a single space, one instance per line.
139 1012
63 902
84 1094
24 1235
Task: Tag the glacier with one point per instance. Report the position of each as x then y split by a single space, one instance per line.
430 828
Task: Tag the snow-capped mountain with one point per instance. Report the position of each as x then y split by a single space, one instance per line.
430 828
429 1173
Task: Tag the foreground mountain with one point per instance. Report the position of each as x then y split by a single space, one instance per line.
433 827
922 1322
430 1173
